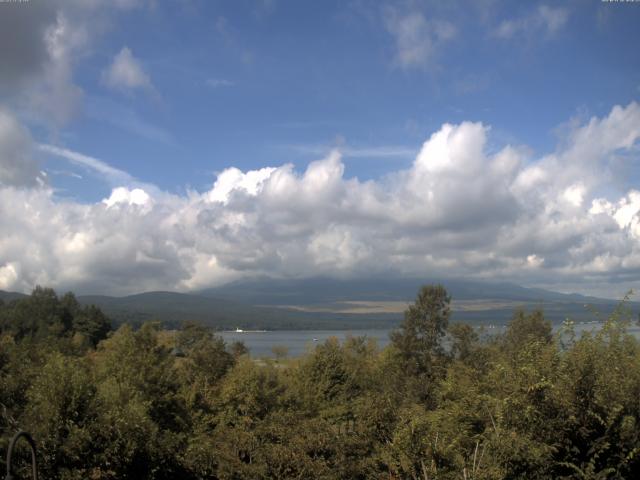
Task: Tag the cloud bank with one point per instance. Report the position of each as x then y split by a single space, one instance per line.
458 211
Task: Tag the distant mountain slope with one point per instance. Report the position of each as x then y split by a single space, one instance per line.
323 303
473 301
8 296
266 291
173 308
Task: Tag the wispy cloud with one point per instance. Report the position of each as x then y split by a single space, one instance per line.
299 124
126 73
472 83
65 173
547 20
382 151
219 82
417 39
112 175
127 119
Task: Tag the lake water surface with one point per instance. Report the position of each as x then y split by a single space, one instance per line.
298 342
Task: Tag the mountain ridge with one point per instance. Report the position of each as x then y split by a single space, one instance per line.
325 303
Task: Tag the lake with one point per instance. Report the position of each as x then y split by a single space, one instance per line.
298 342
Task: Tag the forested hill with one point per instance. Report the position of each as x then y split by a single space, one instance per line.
173 308
323 303
8 296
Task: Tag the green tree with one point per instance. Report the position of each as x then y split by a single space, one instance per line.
43 315
464 340
526 328
61 415
418 341
143 418
92 324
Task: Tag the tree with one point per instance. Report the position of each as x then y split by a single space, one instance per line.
463 338
525 329
44 315
92 323
37 316
191 334
238 349
142 416
61 415
418 341
425 324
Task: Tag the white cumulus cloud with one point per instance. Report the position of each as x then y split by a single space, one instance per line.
459 210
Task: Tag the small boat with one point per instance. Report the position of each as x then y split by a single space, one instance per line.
315 339
239 330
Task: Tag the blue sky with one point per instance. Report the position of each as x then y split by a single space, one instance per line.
251 84
166 96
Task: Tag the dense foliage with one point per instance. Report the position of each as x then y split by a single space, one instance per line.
438 403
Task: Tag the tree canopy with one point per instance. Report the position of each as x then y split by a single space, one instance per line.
440 402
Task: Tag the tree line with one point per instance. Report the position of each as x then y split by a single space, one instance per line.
440 402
